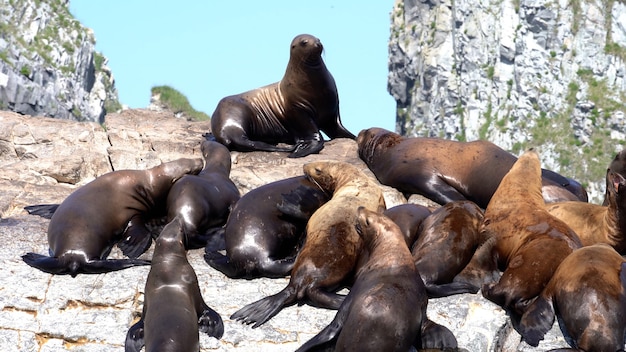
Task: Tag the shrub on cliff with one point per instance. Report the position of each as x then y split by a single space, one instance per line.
175 101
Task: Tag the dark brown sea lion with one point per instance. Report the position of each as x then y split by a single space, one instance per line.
618 166
292 110
266 227
386 308
109 209
446 243
598 223
529 242
332 247
408 217
203 201
588 295
445 170
173 310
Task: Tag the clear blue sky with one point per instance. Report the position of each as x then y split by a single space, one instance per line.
211 49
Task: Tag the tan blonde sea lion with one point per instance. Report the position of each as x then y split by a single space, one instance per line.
588 295
292 110
332 246
386 307
529 242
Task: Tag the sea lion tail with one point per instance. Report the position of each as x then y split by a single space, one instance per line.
536 321
134 338
264 309
210 322
43 210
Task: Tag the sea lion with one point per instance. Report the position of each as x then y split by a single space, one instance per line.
173 309
265 229
588 295
529 242
446 243
386 308
292 110
408 217
618 166
332 247
445 170
598 223
203 201
107 210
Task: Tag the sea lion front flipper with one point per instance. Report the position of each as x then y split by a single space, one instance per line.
43 210
300 203
221 263
264 309
327 337
212 240
137 239
210 322
304 148
50 265
449 289
134 337
536 321
435 336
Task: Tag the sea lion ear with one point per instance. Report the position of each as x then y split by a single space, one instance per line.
617 180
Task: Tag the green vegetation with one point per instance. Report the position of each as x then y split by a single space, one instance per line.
177 102
25 70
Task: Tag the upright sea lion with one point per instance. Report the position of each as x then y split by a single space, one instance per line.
618 166
332 247
588 295
408 217
445 244
445 170
203 201
292 110
266 227
386 308
598 223
529 242
173 309
107 210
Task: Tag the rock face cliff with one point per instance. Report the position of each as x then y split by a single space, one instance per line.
48 64
520 73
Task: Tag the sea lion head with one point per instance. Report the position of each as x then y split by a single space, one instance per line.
178 168
330 174
372 140
215 155
307 49
370 225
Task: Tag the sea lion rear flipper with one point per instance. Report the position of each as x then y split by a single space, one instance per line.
328 335
134 337
435 336
108 265
264 309
43 210
536 321
453 288
210 322
137 239
50 265
221 263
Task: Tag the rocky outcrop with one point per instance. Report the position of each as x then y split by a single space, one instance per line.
48 63
43 160
549 74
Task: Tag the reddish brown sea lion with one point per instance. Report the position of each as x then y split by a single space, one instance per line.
332 247
265 229
386 307
529 242
291 111
203 201
173 310
588 295
446 243
109 209
445 170
598 223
